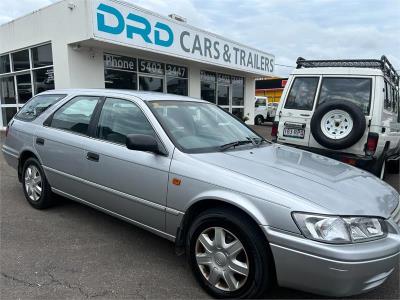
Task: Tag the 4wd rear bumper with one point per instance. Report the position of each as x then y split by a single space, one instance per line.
332 270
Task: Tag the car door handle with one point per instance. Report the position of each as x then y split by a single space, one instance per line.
92 156
40 141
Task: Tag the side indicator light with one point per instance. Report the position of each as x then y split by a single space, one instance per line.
176 181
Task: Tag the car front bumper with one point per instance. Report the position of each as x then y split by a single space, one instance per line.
332 270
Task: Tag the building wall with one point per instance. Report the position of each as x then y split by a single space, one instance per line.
78 60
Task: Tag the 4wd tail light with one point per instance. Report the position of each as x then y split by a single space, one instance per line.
372 143
274 130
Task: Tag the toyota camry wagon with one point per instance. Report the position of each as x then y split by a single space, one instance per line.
247 213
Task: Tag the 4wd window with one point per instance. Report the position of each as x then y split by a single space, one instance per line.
302 93
355 90
119 118
75 115
36 106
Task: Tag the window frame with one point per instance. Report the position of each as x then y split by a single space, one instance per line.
49 119
96 118
62 97
317 89
317 102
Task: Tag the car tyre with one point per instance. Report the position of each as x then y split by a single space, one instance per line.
36 188
259 120
338 124
393 166
212 264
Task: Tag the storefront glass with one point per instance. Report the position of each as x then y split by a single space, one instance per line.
17 87
122 72
225 90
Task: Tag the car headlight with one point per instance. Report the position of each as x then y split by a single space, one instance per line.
340 230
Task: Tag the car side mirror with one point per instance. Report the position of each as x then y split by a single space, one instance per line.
142 142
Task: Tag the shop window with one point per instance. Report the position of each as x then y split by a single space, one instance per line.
24 87
223 95
237 91
75 115
7 114
153 84
43 80
238 112
208 86
5 64
42 56
7 90
177 82
20 60
177 86
115 79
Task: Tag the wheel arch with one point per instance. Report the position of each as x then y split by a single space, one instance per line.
24 155
230 201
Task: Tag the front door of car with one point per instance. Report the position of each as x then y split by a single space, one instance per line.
296 113
130 183
61 143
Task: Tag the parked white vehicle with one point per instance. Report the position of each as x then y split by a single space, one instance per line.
263 110
346 109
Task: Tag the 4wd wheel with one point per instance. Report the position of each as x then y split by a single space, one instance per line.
258 120
228 256
338 124
36 188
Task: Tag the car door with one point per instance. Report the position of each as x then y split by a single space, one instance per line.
296 113
61 144
130 183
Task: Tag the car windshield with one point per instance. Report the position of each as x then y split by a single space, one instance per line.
197 127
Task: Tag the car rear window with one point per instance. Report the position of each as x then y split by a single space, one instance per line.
355 90
37 105
302 93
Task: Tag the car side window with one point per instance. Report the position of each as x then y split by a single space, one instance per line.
37 105
260 103
118 118
302 93
75 115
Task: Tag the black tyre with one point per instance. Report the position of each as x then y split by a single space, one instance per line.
228 255
379 167
34 183
393 166
338 124
258 120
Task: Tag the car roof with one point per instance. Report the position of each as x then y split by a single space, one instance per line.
142 95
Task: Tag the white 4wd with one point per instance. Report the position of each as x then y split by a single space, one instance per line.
263 110
345 109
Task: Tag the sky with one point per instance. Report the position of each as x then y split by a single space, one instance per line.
313 29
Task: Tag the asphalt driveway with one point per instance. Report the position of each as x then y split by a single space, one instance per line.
75 252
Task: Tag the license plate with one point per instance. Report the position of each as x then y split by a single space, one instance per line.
297 133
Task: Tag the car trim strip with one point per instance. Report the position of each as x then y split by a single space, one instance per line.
152 229
118 193
333 260
6 150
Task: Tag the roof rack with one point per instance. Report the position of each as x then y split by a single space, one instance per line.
383 64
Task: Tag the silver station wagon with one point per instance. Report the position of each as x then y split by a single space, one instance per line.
247 213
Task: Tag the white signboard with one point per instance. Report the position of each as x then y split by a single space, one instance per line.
124 23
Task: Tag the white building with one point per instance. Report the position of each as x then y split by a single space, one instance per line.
114 44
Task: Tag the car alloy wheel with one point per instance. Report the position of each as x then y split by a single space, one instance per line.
222 259
33 183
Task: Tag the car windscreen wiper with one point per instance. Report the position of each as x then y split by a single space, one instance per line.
234 144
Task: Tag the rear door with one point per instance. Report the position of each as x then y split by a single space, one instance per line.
296 113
